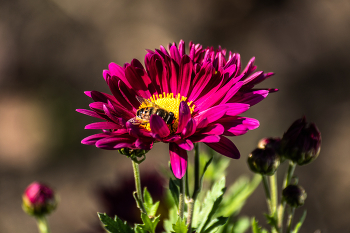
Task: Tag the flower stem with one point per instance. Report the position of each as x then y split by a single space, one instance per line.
182 197
197 188
274 199
267 192
136 169
43 225
290 218
286 182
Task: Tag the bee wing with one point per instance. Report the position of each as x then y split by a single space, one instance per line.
146 102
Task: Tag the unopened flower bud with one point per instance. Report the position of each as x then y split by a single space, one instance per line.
273 143
302 142
38 199
294 195
264 161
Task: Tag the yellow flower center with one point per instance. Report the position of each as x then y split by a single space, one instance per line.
169 103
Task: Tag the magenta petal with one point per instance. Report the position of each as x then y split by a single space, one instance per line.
214 129
102 125
186 68
178 160
189 129
185 144
89 113
205 138
236 109
144 144
184 116
114 143
92 139
225 147
214 113
158 126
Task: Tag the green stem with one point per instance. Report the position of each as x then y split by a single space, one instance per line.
274 198
43 225
182 197
267 192
290 218
286 182
197 187
136 169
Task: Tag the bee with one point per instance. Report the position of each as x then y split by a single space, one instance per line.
143 115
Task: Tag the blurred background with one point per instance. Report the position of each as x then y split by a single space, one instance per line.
53 50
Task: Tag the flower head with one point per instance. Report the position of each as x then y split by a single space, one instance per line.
302 142
39 199
178 99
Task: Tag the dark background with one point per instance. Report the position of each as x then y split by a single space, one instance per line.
53 50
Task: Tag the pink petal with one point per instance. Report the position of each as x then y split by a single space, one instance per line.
214 113
205 138
143 144
102 125
89 113
189 129
119 71
237 108
185 144
92 139
186 67
178 160
158 126
213 129
114 143
184 116
225 147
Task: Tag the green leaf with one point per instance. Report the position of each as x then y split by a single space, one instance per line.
116 225
168 223
298 225
271 220
241 225
180 226
214 225
256 228
205 169
151 208
238 194
139 229
174 191
211 203
149 224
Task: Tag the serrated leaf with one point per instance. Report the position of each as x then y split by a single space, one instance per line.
271 220
256 228
174 191
241 225
180 226
211 203
172 218
214 225
298 225
114 226
238 194
149 224
150 208
139 229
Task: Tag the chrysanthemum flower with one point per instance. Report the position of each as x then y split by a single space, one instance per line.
205 90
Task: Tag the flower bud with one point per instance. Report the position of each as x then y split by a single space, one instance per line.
273 143
302 142
294 195
264 161
38 199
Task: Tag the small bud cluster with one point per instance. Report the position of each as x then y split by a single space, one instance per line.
301 144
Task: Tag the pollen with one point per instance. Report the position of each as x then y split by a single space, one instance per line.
168 102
